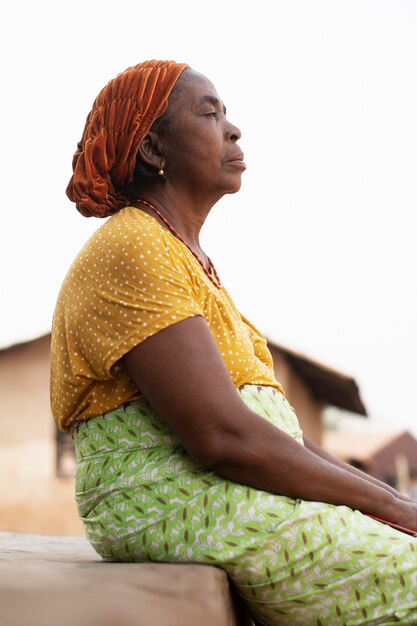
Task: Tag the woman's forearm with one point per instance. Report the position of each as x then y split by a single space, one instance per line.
313 447
268 459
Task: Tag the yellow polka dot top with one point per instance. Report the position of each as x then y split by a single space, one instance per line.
132 279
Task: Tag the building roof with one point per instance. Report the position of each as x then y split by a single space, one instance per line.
326 384
25 342
359 445
371 447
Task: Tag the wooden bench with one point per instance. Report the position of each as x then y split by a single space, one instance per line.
61 581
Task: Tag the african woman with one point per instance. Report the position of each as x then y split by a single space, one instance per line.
187 450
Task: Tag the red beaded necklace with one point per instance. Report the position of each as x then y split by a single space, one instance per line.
214 277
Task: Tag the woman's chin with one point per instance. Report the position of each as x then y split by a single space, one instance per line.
236 187
235 184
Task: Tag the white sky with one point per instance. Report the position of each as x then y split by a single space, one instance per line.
318 248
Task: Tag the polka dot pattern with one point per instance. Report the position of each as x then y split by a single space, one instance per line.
132 279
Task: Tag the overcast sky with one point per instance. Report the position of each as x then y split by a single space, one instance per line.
318 248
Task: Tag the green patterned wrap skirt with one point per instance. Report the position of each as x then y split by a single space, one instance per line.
142 498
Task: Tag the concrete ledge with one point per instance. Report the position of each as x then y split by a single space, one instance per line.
58 580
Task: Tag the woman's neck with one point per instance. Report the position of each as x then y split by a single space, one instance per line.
185 215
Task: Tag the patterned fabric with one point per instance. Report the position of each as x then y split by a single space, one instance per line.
132 279
142 498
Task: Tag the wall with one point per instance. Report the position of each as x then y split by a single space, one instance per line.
32 498
308 409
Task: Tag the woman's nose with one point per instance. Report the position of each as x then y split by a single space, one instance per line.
233 132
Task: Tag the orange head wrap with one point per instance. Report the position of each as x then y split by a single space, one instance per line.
121 117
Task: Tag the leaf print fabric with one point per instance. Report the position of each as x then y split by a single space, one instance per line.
142 498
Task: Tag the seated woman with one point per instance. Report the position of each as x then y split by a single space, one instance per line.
187 450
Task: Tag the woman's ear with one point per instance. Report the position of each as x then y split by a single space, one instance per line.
150 150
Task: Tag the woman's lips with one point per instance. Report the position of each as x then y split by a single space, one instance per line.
238 161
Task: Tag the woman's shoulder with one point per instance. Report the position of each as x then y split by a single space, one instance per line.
128 230
130 224
131 246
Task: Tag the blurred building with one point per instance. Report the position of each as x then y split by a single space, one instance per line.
390 457
310 387
32 497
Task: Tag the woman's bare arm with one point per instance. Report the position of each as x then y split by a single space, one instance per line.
313 447
182 374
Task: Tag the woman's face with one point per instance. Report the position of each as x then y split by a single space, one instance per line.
200 150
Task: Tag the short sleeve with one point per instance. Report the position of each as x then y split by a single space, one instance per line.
259 342
125 287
